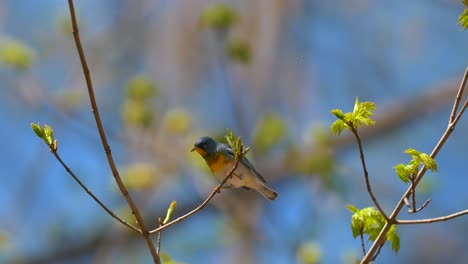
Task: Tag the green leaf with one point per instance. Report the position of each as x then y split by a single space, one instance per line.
236 144
357 224
356 104
338 113
361 113
402 172
463 19
166 259
363 121
412 152
230 138
394 238
246 150
49 135
337 127
38 130
367 107
428 162
352 208
171 208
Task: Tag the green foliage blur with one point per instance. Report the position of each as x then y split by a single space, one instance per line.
239 51
138 107
309 253
15 54
270 130
218 16
140 176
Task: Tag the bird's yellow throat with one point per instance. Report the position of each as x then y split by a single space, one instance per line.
200 151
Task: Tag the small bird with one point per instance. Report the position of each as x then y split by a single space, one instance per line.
220 158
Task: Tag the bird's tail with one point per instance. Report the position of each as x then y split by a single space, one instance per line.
267 192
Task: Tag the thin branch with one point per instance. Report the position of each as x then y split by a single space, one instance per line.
432 220
366 174
412 207
450 128
422 206
461 111
363 247
413 194
458 97
378 252
216 190
110 159
57 156
158 246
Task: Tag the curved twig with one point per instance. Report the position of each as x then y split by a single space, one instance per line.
432 220
366 174
57 156
216 190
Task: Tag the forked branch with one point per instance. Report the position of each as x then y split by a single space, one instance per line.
453 120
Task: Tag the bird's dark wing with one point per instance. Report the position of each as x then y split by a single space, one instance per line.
244 161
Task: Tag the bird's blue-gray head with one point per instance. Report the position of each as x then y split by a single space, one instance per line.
205 146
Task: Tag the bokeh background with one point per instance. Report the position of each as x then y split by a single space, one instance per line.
169 71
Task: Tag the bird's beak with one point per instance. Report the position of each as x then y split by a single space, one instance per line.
193 149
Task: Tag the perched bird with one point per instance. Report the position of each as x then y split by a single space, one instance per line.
220 158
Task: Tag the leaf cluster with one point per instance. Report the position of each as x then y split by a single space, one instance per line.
236 145
370 221
46 134
352 120
409 171
463 18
